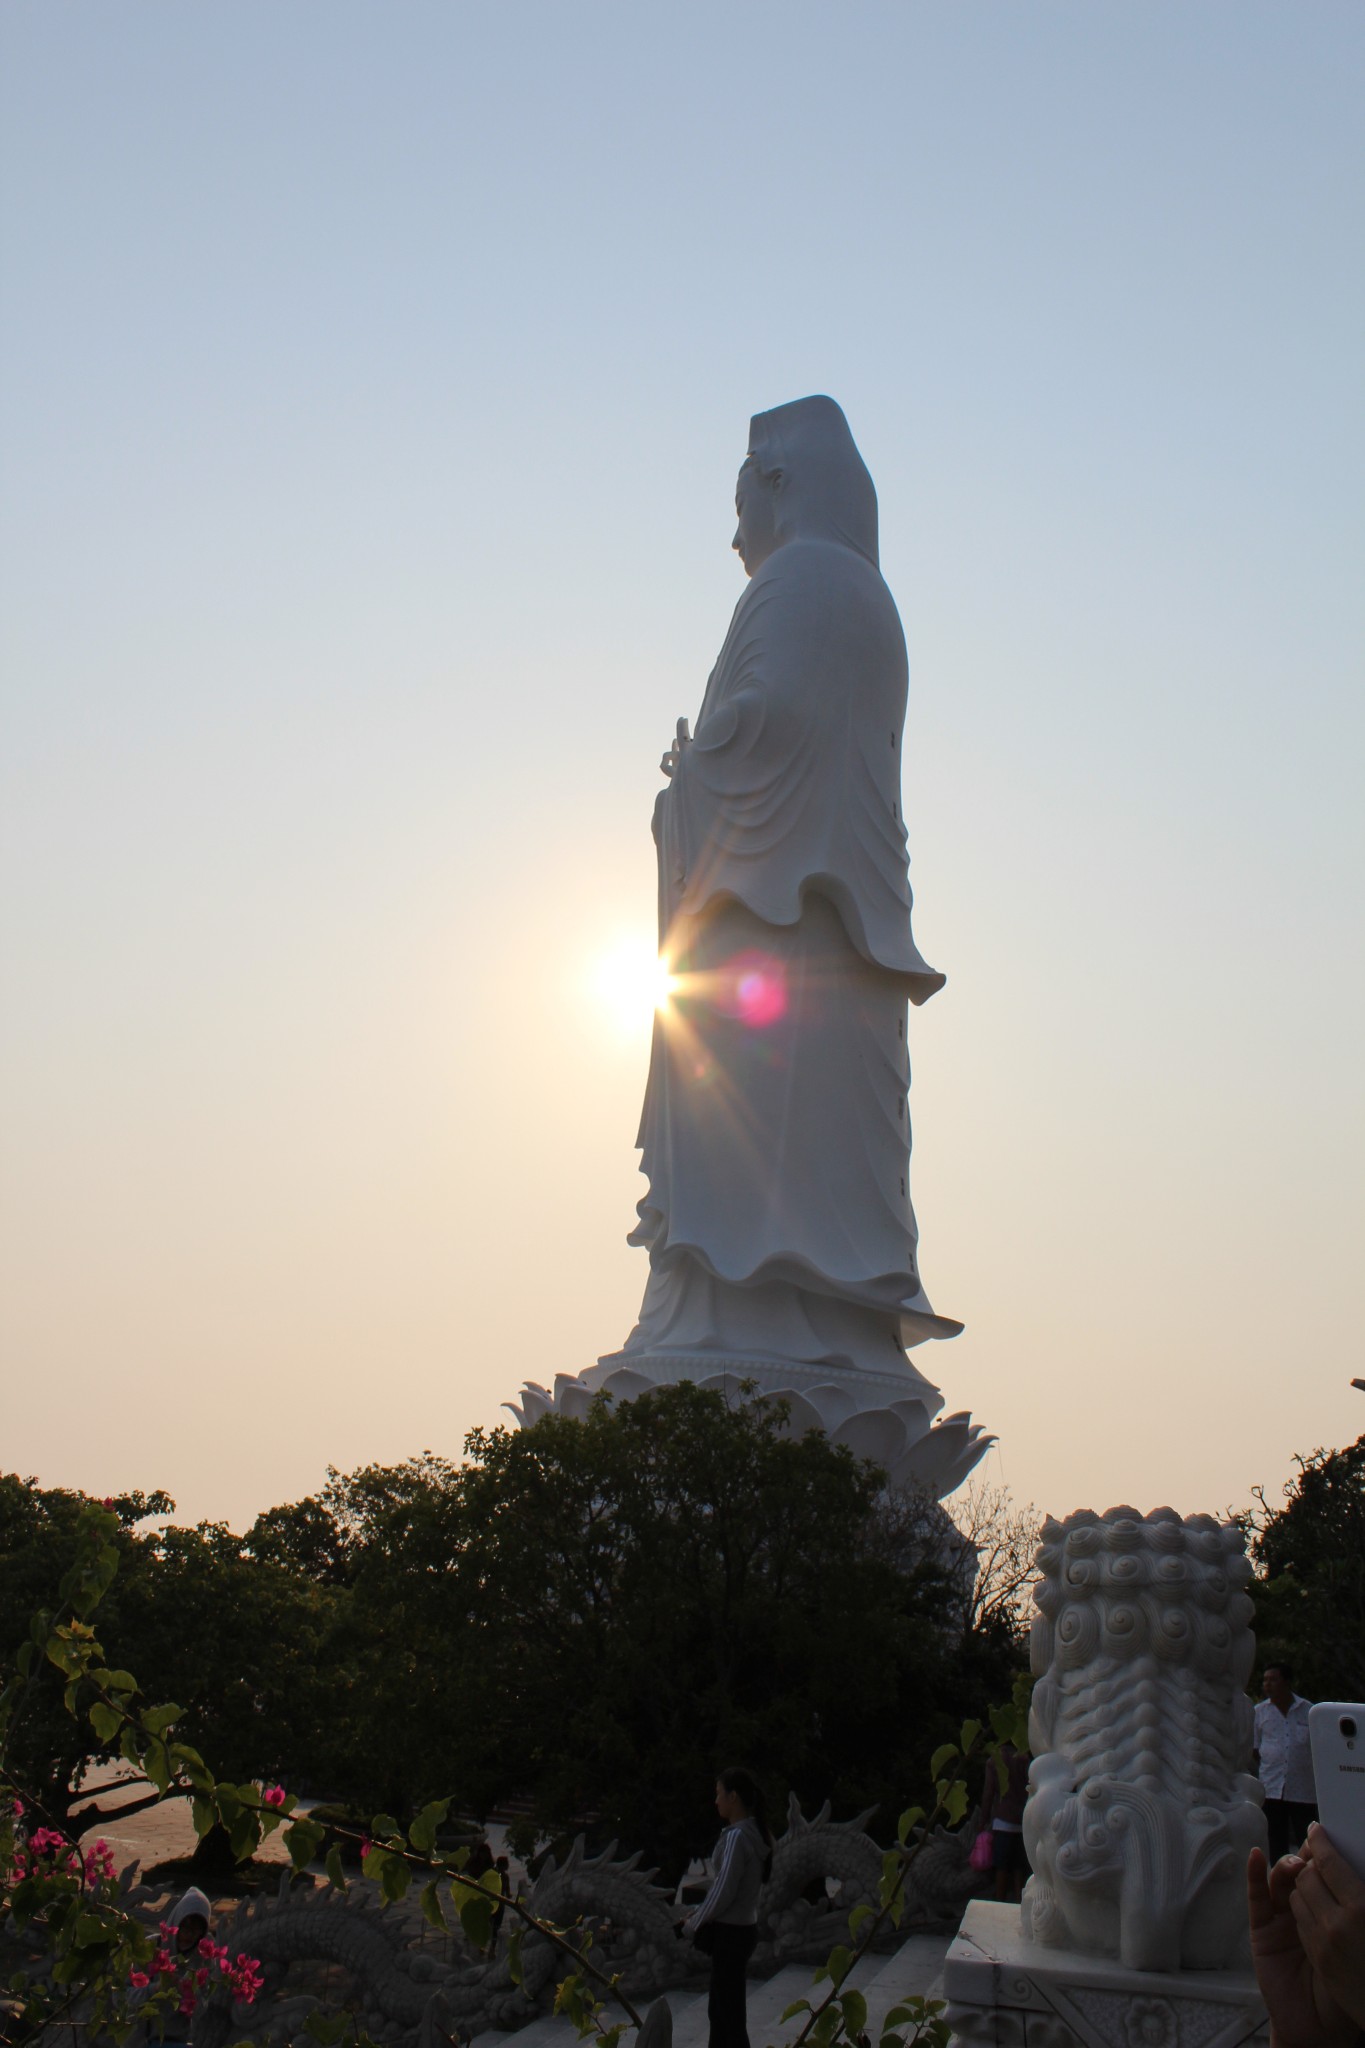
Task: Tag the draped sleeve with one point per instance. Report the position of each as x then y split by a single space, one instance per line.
792 782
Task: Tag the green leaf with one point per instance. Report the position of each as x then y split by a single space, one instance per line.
970 1731
336 1876
227 1801
394 1879
491 1882
908 1821
855 2011
156 1720
385 1828
941 1758
839 1964
90 1930
106 1721
859 1918
801 2005
956 1801
24 1660
431 1906
327 2028
244 1835
827 2026
189 1764
156 1763
476 1918
205 1814
566 1994
300 1842
127 1743
908 2013
422 1833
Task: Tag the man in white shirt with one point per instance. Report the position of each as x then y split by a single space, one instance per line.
1283 1760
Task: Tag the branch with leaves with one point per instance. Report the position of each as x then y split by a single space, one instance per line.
841 2015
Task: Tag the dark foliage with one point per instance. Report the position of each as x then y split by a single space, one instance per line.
1310 1563
589 1618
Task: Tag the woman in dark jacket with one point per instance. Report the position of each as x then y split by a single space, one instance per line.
725 1924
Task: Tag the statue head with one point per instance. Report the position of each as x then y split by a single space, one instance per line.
803 479
756 511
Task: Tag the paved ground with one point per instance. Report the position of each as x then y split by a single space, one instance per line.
917 1966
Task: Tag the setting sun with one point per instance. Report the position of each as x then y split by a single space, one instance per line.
630 980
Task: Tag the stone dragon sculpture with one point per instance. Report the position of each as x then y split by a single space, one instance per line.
1140 1812
414 1989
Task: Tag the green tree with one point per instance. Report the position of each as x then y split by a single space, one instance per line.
597 1614
40 1537
245 1643
1310 1564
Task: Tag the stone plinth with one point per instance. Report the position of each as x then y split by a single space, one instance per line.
1005 1992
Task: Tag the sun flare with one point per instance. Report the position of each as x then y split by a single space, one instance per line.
631 980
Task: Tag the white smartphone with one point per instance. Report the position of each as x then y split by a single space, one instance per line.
1336 1733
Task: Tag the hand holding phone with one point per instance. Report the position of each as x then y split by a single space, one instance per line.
1336 1736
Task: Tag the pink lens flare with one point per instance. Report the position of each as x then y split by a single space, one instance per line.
755 989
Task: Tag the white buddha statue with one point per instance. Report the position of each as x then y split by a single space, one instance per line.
776 1129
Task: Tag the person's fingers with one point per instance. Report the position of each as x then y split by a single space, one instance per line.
1337 1874
1283 1879
1312 1905
1259 1909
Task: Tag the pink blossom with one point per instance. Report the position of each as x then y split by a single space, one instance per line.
273 1795
139 1979
108 1501
365 1847
164 1963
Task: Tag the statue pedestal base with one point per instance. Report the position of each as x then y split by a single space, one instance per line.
882 1416
1005 1992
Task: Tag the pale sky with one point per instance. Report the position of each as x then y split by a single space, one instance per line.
374 381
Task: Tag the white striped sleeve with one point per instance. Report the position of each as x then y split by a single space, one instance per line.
722 1884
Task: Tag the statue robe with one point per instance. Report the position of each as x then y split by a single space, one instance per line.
776 1131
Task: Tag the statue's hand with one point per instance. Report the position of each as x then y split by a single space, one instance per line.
682 739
